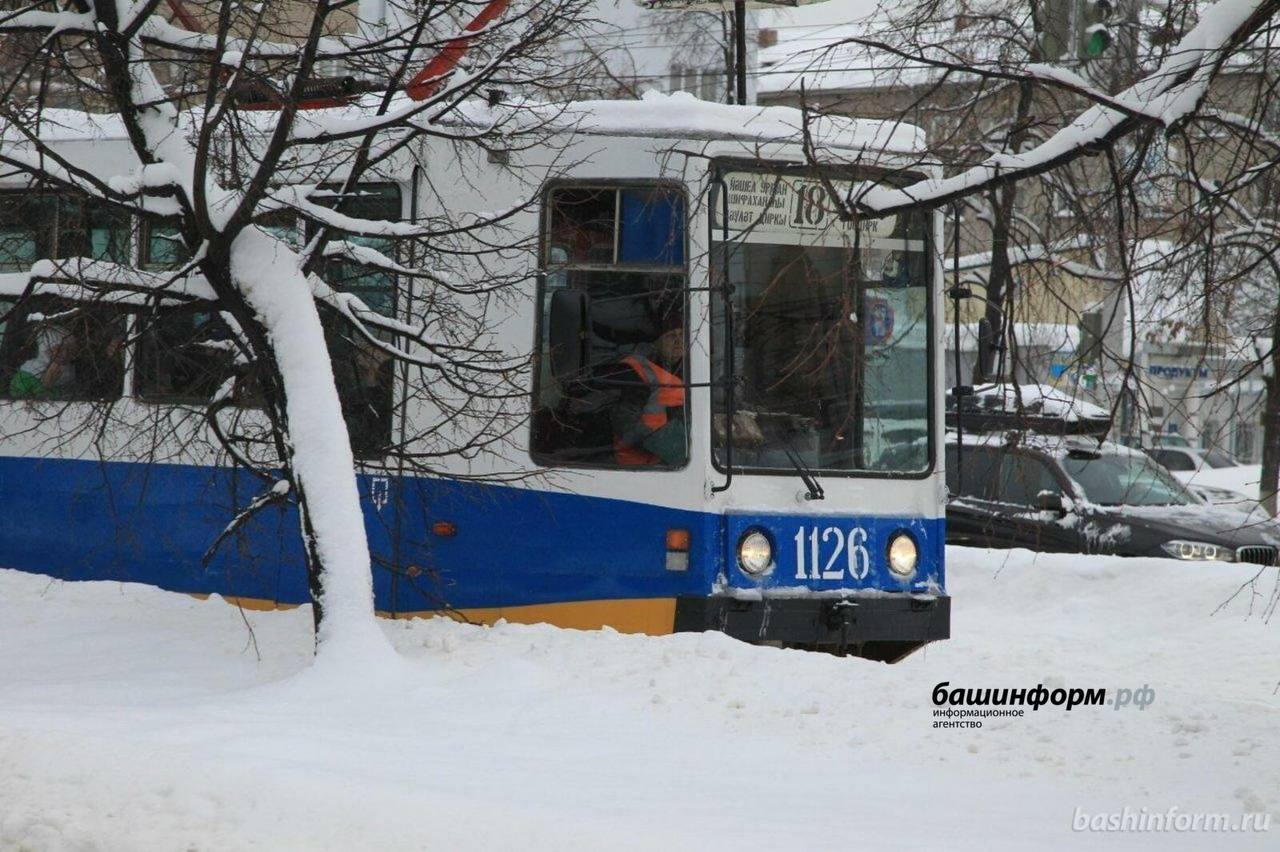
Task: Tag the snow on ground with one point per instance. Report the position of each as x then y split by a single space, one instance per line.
132 719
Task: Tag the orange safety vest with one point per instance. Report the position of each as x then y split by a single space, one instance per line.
666 390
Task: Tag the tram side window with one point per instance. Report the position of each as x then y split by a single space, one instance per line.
363 372
86 229
35 226
162 246
616 256
27 228
56 349
184 354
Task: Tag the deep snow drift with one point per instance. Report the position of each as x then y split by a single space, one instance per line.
132 719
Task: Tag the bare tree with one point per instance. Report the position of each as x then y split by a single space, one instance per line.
262 199
1007 106
678 50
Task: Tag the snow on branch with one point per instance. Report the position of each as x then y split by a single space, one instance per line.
1167 96
439 354
50 23
84 278
275 495
975 264
1254 129
372 259
297 199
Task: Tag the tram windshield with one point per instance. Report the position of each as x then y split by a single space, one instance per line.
829 330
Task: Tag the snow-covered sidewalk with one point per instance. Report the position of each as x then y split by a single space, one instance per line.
132 719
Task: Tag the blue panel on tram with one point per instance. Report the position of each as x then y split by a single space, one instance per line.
652 227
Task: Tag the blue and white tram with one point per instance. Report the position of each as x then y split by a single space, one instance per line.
785 486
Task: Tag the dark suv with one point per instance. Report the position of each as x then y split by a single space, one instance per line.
1074 495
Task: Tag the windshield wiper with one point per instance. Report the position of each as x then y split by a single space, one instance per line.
814 491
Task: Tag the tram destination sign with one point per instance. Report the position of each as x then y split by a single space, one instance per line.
772 208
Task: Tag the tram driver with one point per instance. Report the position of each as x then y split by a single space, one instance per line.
648 419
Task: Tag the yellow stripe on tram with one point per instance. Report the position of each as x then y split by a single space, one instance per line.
654 616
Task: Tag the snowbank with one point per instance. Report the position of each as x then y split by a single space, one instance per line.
133 719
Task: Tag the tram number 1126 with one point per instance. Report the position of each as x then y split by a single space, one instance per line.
846 555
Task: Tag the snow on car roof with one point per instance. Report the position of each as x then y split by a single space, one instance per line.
1053 445
1044 400
1000 421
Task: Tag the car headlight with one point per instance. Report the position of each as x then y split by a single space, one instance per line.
1198 551
755 553
903 555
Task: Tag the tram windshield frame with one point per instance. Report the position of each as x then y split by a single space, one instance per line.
855 397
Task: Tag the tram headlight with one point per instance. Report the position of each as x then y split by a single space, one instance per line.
903 555
755 553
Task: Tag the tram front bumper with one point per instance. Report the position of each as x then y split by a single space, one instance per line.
885 628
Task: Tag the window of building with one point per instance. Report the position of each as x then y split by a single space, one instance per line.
711 85
92 230
1244 442
687 79
690 81
27 228
676 78
620 251
1154 183
163 246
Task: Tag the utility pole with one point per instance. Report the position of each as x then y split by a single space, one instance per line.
740 48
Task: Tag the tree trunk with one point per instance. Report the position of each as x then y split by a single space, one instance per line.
1271 425
999 283
1000 273
317 448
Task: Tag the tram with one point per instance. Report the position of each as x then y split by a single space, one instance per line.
780 480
